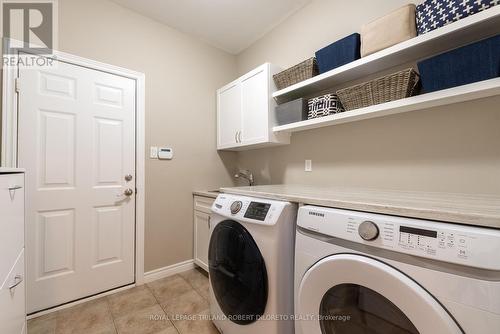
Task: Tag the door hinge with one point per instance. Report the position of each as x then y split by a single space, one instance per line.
17 84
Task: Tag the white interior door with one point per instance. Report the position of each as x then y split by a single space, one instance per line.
77 143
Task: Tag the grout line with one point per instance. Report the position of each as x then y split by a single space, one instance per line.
161 307
106 298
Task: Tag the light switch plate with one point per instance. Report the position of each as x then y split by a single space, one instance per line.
308 166
153 153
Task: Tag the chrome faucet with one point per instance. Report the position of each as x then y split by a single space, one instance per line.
247 175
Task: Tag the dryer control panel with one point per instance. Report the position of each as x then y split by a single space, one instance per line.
471 246
250 210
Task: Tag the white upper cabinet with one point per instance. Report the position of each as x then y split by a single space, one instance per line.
229 114
245 112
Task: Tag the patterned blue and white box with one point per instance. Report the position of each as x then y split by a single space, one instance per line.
433 14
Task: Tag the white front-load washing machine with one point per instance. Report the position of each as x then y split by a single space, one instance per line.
251 265
368 273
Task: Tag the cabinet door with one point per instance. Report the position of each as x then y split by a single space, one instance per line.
255 107
229 115
11 221
201 238
12 299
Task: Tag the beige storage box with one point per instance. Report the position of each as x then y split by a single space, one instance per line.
391 29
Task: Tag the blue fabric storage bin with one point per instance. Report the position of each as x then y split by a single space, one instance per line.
433 14
339 53
471 63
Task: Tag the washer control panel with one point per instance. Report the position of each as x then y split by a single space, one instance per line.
257 210
246 209
460 244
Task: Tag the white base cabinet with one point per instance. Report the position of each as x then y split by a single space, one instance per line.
201 220
245 112
12 268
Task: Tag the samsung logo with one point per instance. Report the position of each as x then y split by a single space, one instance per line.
317 214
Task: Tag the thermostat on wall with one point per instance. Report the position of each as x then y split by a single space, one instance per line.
165 153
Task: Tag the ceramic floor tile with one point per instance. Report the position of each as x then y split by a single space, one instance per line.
203 290
150 320
197 325
131 300
170 330
45 324
186 304
196 277
170 287
91 317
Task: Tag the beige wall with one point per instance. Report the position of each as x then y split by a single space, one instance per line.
451 149
182 75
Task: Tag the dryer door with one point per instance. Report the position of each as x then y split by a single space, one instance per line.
357 294
237 273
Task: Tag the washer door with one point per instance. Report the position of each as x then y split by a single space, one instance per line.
237 273
357 294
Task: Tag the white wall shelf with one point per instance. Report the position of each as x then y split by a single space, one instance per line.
458 94
459 33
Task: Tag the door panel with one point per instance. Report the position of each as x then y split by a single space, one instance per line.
77 142
57 152
108 237
255 108
55 243
229 117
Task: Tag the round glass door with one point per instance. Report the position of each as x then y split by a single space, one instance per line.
352 308
237 273
351 294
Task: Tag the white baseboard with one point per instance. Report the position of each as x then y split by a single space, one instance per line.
160 273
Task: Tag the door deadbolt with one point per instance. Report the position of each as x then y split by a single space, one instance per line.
128 177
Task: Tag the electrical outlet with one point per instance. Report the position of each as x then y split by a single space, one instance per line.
153 153
308 166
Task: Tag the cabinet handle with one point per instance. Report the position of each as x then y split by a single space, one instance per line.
236 136
239 136
17 280
15 188
209 223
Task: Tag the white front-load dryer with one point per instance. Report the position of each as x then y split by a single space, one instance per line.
250 259
368 273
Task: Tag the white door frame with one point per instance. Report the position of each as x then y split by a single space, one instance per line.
10 136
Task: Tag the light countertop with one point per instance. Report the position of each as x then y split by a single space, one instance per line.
206 193
477 210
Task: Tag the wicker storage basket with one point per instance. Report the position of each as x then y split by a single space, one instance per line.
388 88
300 72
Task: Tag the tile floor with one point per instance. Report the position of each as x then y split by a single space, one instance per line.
173 305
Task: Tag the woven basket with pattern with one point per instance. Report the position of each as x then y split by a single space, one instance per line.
385 89
300 72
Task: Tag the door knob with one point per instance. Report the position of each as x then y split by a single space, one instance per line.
128 192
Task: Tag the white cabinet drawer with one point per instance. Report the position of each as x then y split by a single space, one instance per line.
203 204
11 220
12 300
